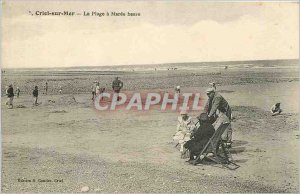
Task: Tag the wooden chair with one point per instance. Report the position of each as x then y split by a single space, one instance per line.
213 146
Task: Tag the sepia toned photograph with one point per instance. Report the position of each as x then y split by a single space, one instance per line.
149 96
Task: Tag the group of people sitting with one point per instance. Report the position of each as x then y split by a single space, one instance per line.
191 137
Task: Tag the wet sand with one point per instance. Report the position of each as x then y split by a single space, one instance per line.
65 138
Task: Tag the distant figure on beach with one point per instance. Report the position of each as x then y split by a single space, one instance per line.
10 96
185 127
46 88
97 88
93 88
18 92
177 89
60 90
275 109
117 85
102 91
215 103
35 94
213 85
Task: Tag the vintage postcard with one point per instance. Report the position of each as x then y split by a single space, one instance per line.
149 96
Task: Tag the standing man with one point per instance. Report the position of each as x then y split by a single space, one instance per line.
46 88
35 94
117 85
217 102
97 88
18 92
10 96
93 87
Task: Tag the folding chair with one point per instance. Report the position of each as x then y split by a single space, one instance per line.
213 145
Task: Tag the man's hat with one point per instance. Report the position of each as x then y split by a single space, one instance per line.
210 90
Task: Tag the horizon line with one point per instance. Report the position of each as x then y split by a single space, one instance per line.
172 63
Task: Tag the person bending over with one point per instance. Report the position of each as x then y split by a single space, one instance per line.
275 109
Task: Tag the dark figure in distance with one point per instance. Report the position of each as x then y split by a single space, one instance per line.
35 94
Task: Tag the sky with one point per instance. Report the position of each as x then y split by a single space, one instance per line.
165 32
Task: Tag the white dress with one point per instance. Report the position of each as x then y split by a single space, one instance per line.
184 129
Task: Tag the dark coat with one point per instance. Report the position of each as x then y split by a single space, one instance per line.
218 102
35 92
117 85
10 92
200 138
205 131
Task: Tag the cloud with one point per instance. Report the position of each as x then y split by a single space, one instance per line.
52 42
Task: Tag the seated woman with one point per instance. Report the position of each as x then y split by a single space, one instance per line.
185 126
200 137
275 109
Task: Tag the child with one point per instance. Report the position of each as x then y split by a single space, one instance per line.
18 92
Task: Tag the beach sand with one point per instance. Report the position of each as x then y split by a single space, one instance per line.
66 141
